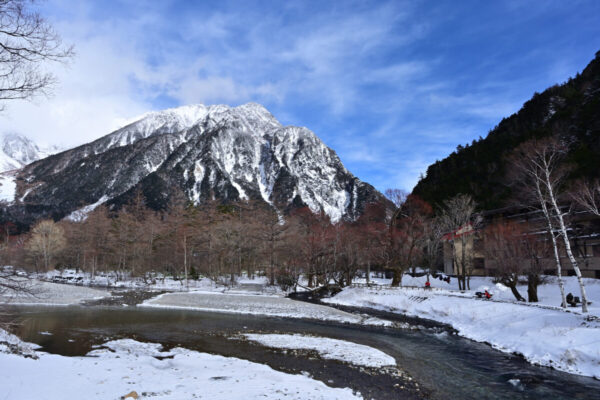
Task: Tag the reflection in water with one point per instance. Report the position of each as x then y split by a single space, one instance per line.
448 367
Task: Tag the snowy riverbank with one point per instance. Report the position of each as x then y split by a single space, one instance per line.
257 305
243 284
122 366
48 293
546 335
329 349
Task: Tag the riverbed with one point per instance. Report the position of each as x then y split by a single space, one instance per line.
431 361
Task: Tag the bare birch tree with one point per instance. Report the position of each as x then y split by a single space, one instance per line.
539 166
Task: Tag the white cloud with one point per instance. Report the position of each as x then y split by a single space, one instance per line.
126 62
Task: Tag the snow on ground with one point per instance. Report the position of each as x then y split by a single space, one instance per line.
546 335
48 293
331 349
258 305
8 187
243 284
10 344
123 366
548 293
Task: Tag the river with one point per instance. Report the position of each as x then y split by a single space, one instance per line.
441 364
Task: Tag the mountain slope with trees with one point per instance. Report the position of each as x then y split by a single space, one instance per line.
569 112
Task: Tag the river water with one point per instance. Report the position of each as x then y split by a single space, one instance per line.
444 365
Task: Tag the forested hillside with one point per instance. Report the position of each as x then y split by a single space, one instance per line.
570 111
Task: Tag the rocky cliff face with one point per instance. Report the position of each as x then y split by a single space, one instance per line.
207 152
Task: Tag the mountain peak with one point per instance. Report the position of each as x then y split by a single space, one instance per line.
17 150
182 118
206 152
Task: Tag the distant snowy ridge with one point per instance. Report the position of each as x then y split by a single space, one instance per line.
213 152
17 151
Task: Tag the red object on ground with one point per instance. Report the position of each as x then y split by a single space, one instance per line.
488 295
427 284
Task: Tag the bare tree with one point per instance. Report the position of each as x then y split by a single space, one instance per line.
539 166
587 195
396 196
348 253
181 222
406 236
269 229
27 42
314 236
459 218
47 240
504 246
373 229
432 239
537 250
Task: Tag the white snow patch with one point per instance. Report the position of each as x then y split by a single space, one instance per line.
241 191
8 187
26 193
122 366
81 214
330 349
198 176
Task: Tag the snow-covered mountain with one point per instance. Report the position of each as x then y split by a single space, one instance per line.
17 150
208 152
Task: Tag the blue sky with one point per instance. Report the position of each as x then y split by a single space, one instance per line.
391 86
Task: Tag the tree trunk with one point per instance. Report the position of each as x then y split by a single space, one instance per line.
532 284
271 262
561 285
397 278
455 268
515 292
565 236
463 263
185 264
311 278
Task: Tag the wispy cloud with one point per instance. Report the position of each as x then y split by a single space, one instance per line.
391 86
